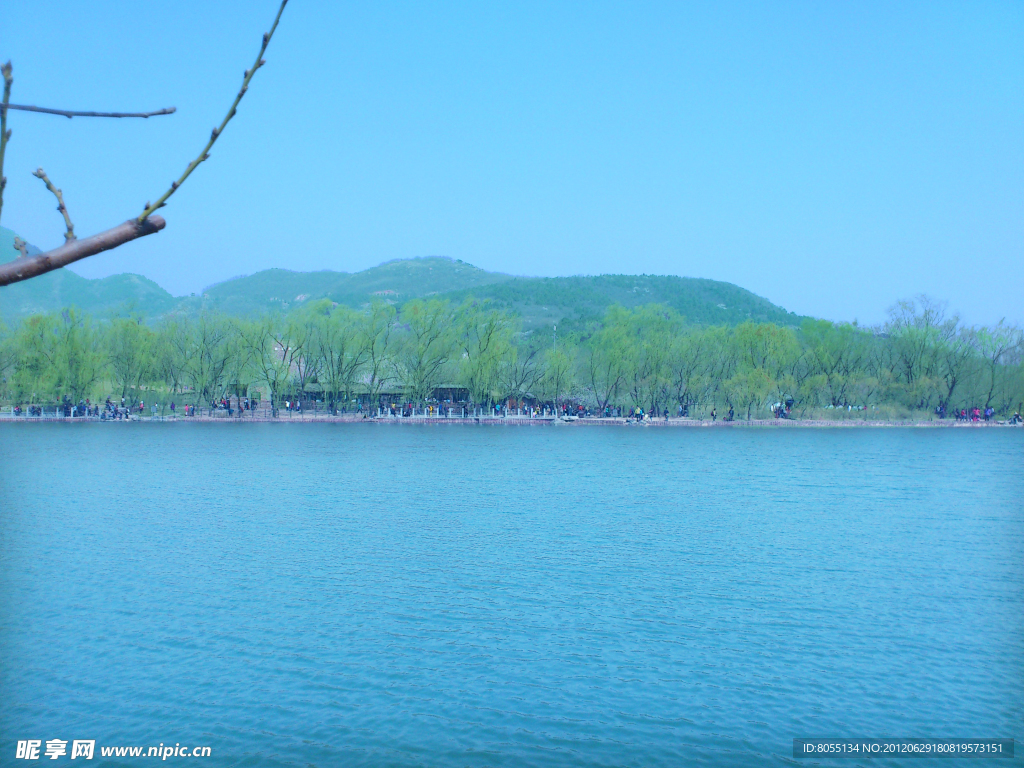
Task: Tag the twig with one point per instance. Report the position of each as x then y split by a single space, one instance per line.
22 247
5 134
205 154
41 174
69 113
73 250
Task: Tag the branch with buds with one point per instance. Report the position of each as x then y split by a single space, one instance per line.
146 224
5 134
215 134
69 113
41 174
74 250
7 70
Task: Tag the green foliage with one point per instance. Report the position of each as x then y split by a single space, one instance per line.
574 302
1001 348
649 332
57 356
697 361
425 356
647 356
129 347
558 380
604 366
336 341
485 336
272 354
376 331
198 352
835 357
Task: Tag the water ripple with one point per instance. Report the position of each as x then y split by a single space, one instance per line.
344 594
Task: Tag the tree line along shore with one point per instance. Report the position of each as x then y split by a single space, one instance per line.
429 355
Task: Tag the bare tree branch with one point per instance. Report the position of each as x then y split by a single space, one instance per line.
73 250
69 113
5 134
205 154
41 174
146 224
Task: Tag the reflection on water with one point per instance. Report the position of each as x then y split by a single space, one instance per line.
449 595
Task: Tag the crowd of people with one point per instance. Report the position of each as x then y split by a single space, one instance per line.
447 409
974 414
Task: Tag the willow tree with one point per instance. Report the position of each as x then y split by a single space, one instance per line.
919 331
690 364
239 374
428 346
836 360
485 339
376 336
997 346
8 359
558 379
273 353
765 354
129 346
649 333
32 374
338 343
521 370
302 329
604 365
58 355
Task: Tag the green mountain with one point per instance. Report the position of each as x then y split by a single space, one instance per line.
543 301
394 281
540 301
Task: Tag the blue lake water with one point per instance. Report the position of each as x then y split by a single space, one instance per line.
365 595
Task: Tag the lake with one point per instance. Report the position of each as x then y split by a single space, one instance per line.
365 595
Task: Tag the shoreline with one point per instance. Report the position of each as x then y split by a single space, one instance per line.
514 421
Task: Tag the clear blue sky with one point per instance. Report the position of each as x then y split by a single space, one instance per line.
832 157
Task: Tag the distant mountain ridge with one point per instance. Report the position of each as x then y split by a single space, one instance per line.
397 281
540 301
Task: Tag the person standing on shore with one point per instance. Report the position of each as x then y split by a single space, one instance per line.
714 415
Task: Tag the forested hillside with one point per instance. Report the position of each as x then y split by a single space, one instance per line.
538 301
573 301
393 281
